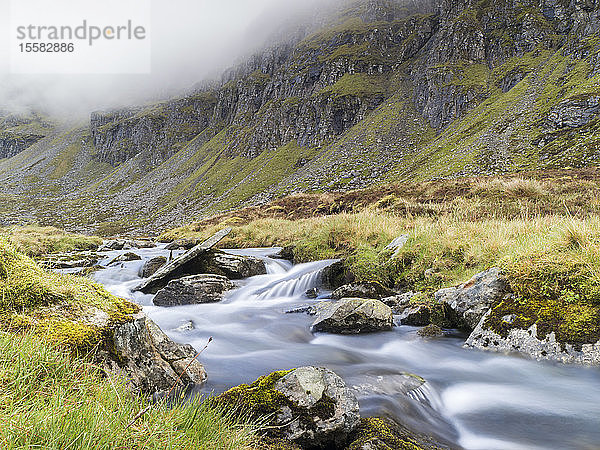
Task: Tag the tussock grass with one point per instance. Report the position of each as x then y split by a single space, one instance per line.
50 400
37 241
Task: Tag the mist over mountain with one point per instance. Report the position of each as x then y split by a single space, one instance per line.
319 96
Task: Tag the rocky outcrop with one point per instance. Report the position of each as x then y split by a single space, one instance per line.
467 303
309 406
529 342
150 361
12 144
354 315
152 265
157 133
192 290
371 289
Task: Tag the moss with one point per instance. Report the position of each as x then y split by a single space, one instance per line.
386 435
71 311
259 397
263 401
357 85
558 293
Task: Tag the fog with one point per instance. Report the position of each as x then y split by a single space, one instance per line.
192 41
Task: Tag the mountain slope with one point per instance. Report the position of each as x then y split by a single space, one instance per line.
387 91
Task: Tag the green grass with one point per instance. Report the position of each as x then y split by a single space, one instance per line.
36 241
50 400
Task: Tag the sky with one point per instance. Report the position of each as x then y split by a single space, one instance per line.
191 40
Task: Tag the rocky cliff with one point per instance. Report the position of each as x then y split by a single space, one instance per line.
385 91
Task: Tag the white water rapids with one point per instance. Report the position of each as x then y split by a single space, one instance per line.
472 399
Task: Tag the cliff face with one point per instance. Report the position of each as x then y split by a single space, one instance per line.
18 132
386 91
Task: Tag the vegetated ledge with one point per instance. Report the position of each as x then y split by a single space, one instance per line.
79 315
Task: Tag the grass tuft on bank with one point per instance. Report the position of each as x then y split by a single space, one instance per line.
36 241
51 400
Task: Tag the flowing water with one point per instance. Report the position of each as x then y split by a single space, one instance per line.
472 399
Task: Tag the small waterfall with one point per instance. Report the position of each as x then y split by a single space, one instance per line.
428 396
286 284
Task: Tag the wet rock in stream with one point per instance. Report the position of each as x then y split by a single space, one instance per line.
194 289
353 316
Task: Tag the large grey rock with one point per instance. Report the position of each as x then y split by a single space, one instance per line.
370 289
529 343
354 315
151 361
468 302
332 421
232 266
152 265
193 289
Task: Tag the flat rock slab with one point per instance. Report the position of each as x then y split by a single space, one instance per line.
192 290
178 267
353 316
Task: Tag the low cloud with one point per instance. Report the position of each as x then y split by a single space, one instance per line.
192 41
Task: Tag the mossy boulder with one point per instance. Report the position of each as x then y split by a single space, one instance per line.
554 310
376 433
309 406
353 316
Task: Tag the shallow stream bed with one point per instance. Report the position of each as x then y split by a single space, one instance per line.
470 398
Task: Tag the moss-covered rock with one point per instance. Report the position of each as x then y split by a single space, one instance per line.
77 314
309 406
383 434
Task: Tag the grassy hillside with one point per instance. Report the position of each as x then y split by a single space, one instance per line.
398 95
